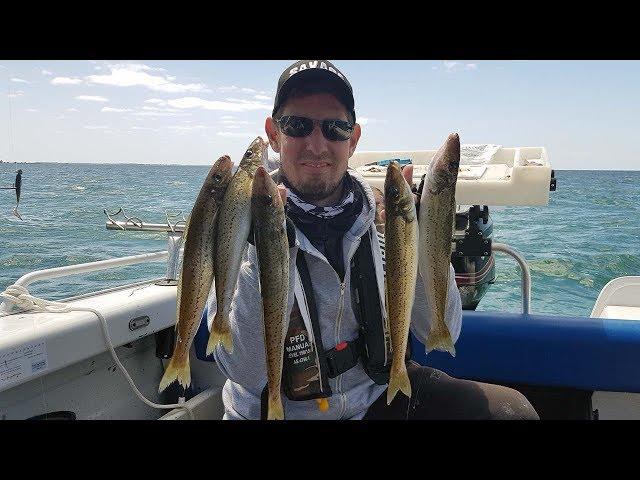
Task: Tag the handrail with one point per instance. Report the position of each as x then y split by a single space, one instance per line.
57 272
47 274
526 275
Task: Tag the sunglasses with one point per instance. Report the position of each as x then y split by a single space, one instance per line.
333 130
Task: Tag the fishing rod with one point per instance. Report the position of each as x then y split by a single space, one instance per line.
17 186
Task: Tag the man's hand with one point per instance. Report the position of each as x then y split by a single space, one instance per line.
283 193
407 173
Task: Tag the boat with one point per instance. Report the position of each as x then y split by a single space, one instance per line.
57 362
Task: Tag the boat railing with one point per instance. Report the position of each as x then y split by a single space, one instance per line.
173 254
526 274
57 272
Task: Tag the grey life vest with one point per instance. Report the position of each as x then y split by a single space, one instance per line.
307 365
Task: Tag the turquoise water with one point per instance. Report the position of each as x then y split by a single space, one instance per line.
587 235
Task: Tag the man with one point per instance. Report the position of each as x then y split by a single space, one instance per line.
337 354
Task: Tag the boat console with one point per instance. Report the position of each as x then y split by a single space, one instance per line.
489 175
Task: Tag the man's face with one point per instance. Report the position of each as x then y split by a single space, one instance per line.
314 165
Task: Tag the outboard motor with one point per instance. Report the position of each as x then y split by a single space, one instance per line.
472 258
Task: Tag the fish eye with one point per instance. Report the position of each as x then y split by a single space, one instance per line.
247 153
217 177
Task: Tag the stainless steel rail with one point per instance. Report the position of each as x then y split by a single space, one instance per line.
526 275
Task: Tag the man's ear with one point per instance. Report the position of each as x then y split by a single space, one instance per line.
273 134
353 141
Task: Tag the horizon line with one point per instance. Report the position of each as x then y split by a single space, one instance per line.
208 165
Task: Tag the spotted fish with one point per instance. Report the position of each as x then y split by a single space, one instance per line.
197 269
272 249
401 253
234 224
437 214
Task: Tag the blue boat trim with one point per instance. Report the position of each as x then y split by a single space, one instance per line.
546 350
201 339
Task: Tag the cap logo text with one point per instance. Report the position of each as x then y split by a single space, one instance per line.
314 64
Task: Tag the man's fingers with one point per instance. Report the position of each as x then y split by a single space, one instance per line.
407 173
283 192
383 215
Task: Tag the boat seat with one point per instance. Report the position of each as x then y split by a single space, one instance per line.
596 354
620 311
623 294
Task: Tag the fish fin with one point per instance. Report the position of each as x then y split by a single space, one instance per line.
276 410
398 381
176 370
220 333
441 342
16 213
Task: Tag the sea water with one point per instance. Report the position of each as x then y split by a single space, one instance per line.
588 234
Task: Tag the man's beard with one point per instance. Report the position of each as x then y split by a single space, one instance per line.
317 190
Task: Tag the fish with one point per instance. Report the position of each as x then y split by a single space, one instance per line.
197 269
17 186
401 267
234 225
436 221
272 250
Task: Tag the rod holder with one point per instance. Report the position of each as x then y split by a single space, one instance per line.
174 229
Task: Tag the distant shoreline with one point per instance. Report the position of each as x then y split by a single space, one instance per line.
208 165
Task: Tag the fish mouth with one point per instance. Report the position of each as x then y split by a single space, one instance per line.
260 188
260 172
257 148
225 161
263 149
453 147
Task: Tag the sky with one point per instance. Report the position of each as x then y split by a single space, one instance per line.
585 113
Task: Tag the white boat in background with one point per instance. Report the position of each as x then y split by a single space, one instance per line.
620 298
55 360
489 174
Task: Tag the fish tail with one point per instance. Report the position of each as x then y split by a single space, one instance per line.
276 410
220 333
178 369
441 341
398 381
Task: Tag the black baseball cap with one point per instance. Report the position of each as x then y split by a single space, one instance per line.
321 71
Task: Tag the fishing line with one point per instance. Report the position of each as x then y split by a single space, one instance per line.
9 126
19 296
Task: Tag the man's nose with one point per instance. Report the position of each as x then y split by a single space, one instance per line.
316 143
